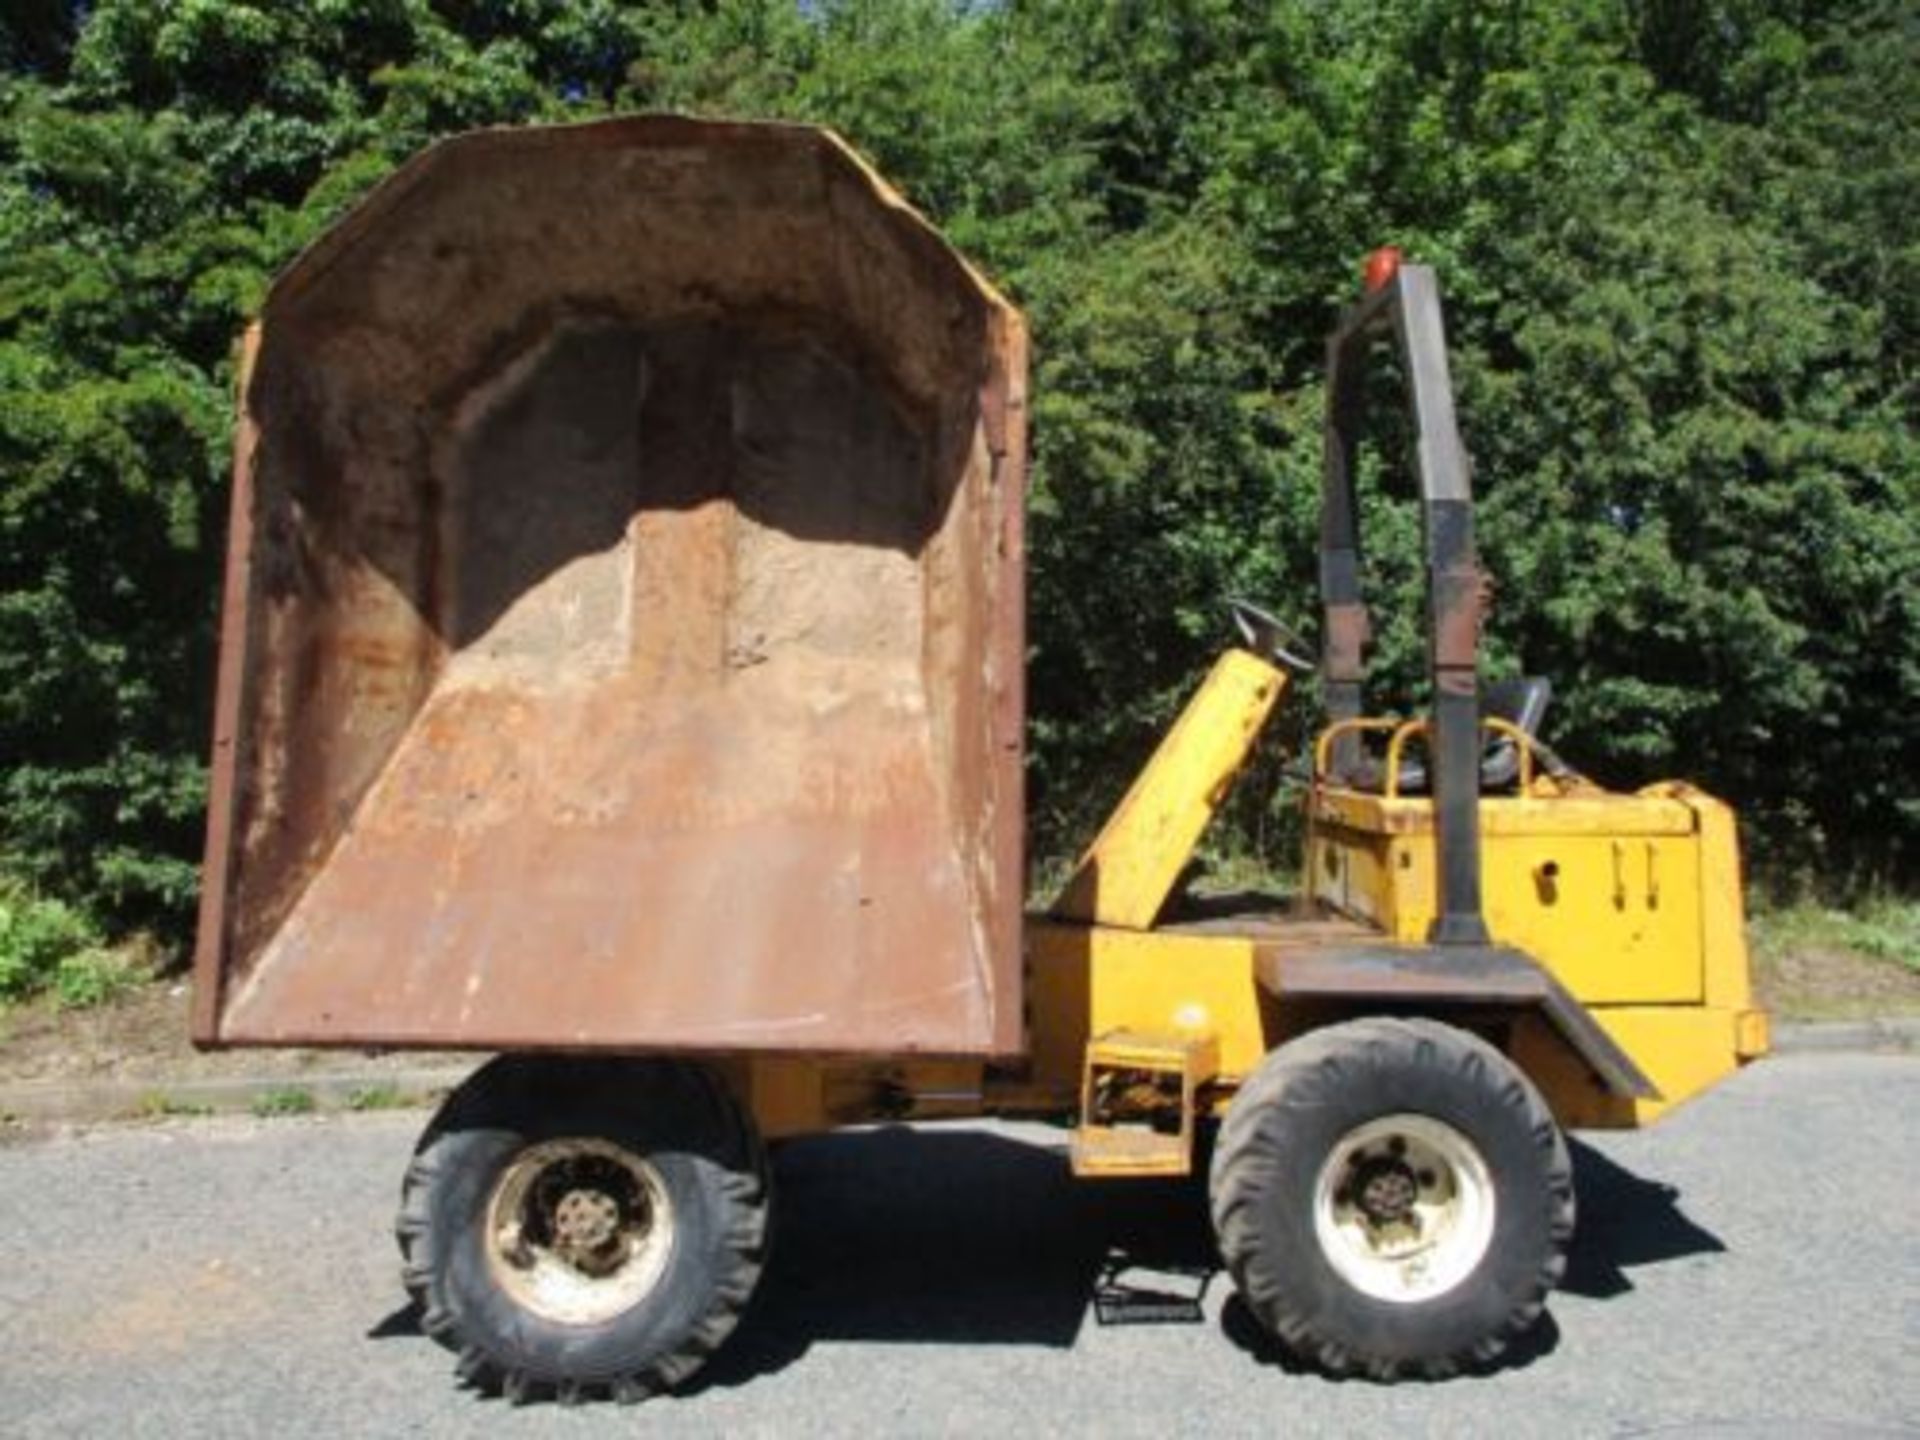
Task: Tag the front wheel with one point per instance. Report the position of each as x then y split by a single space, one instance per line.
584 1227
1392 1197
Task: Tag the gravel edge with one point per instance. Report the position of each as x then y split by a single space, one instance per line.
155 1098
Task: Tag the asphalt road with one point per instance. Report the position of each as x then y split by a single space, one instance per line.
1749 1268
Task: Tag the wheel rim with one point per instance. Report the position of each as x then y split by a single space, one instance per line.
1403 1208
579 1231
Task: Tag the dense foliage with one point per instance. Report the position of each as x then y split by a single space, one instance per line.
1678 238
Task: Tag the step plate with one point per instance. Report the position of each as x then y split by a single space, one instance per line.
1134 1146
1104 1150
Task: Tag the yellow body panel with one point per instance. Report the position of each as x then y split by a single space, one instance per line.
1585 812
1632 901
1683 1049
803 1095
1131 868
1725 972
1614 913
1087 980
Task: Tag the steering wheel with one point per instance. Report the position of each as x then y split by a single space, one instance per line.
1266 635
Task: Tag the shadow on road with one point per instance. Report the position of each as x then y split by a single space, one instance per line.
1238 1324
1625 1221
402 1324
958 1236
964 1237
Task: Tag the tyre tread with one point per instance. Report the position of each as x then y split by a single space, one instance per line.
743 1180
1301 1070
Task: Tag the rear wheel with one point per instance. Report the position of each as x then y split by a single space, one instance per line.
584 1227
1392 1197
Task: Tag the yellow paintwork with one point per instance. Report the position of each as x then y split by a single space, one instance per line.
1100 1149
1607 895
1632 901
1588 811
1683 1049
1086 980
787 1097
802 1095
1131 868
1725 973
1191 1053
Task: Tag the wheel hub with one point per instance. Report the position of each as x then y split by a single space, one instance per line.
585 1223
1404 1207
1385 1191
580 1230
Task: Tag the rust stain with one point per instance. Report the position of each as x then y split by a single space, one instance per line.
1458 607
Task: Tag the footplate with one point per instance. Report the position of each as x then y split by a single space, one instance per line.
1138 1100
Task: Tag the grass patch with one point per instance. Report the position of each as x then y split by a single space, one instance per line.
284 1100
94 977
1234 872
38 936
1811 962
49 949
158 1105
1880 930
376 1097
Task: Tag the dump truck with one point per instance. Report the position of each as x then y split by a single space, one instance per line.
621 674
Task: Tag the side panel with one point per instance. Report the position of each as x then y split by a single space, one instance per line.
1633 902
1684 1050
1616 916
1252 991
1086 981
1725 966
1616 920
1347 868
1687 1049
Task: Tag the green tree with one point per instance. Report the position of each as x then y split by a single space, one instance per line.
1677 238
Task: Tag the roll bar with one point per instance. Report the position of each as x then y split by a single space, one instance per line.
1403 301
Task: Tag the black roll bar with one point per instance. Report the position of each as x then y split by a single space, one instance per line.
1407 307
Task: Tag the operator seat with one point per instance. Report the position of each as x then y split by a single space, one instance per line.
1521 701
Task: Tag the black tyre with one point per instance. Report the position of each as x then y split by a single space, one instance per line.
584 1227
1392 1197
